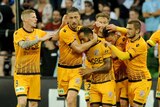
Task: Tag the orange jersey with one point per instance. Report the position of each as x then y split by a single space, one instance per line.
68 56
137 64
96 55
28 59
118 65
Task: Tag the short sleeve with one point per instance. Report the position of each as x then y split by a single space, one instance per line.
18 37
155 37
41 33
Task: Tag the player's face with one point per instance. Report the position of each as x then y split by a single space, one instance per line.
83 38
73 19
131 31
32 20
104 21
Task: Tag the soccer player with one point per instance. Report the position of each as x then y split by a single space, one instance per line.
70 60
152 42
27 44
102 90
135 56
119 67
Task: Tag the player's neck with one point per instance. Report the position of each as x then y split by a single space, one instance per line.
136 37
73 29
28 28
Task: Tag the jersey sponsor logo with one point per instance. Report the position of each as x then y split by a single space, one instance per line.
20 89
96 60
61 91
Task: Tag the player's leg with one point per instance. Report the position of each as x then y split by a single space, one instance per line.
33 103
75 83
34 91
124 94
22 101
87 85
141 92
108 93
72 98
21 89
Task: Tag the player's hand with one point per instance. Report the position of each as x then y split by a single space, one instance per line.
82 71
108 43
111 27
96 26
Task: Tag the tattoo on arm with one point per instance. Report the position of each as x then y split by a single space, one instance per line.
26 44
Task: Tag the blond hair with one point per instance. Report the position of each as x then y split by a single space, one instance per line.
26 13
103 15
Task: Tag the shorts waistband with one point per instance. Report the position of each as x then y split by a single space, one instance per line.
121 79
65 66
101 82
139 80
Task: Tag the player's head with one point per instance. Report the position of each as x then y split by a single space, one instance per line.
110 36
73 17
29 17
85 34
134 27
103 19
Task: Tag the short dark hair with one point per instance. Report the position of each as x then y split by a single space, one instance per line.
136 24
73 9
85 30
135 10
89 3
106 33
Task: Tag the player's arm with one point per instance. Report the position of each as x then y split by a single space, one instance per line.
150 43
153 39
79 48
29 43
105 68
112 27
120 54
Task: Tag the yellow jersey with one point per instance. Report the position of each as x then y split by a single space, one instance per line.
68 57
28 59
137 64
96 55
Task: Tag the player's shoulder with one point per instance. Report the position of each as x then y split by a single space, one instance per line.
18 31
65 29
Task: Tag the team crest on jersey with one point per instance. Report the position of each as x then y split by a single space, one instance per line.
96 52
64 30
142 93
137 45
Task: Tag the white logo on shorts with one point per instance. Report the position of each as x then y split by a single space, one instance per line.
20 89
